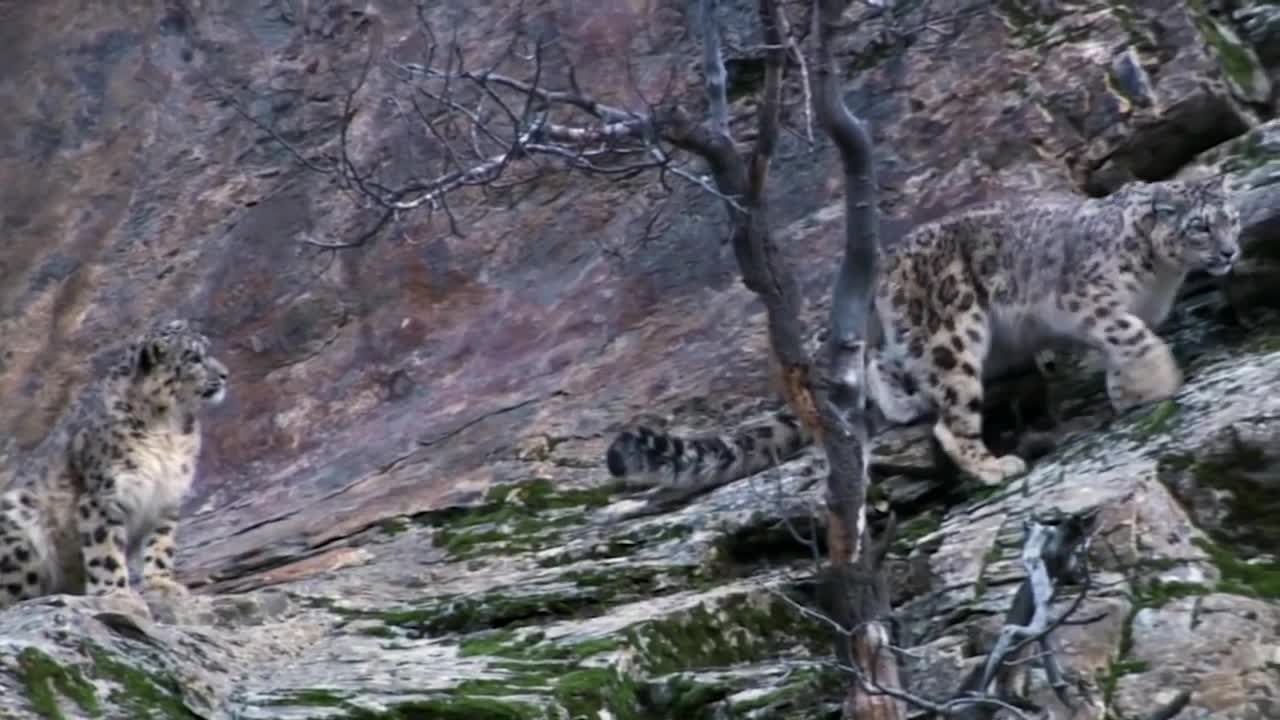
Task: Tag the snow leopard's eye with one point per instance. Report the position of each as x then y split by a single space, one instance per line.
1198 232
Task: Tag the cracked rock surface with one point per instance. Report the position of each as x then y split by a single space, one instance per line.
402 511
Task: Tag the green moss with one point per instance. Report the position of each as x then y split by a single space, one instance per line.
1176 461
764 539
460 707
143 694
312 697
690 697
1265 342
44 680
522 516
1116 670
1246 153
585 693
994 553
620 545
394 526
1122 664
914 529
626 581
520 680
1238 63
1023 24
1158 420
977 493
530 646
520 535
477 699
586 648
806 694
581 692
736 629
495 642
1260 580
744 628
492 610
1159 593
1251 518
1241 470
540 494
462 545
379 631
1140 37
1130 667
595 591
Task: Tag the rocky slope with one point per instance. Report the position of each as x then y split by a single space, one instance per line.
402 511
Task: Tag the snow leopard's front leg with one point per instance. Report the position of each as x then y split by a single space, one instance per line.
1140 366
158 556
101 519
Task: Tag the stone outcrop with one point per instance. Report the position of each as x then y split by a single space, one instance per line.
402 510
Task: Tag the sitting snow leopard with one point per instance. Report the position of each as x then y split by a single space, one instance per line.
116 494
985 289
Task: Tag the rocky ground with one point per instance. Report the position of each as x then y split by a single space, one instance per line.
402 511
538 601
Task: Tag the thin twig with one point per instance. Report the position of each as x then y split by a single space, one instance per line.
714 75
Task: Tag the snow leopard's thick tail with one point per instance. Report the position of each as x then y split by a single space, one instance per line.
648 458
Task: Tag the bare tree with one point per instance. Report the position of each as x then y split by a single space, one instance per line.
500 128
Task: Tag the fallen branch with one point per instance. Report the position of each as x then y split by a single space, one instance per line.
1054 549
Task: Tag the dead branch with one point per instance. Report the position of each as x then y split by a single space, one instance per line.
874 675
715 77
490 130
1054 550
570 126
793 48
841 399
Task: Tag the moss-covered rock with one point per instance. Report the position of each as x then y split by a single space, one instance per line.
517 517
1259 577
99 678
1231 485
146 693
1240 64
48 684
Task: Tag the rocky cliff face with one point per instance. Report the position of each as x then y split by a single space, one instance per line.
402 510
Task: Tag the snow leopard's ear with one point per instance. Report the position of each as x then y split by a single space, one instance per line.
154 348
1168 198
1165 208
1223 187
176 326
1209 184
149 355
151 352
